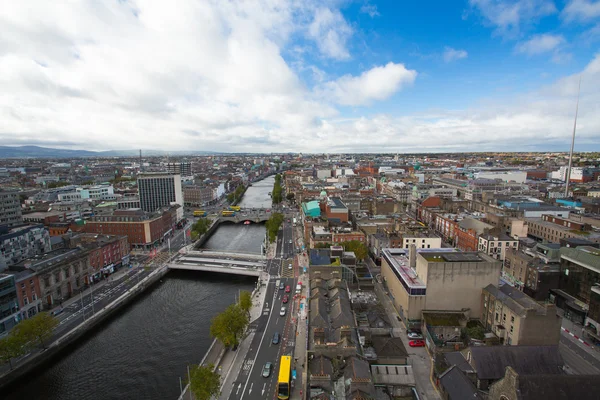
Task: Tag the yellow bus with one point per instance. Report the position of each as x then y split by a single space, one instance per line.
235 208
283 382
199 213
227 213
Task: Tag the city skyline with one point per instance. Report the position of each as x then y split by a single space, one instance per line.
304 76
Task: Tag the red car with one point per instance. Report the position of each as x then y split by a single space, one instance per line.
285 299
416 343
287 289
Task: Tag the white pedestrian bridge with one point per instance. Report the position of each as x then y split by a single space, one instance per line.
221 262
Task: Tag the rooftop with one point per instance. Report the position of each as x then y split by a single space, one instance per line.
398 261
514 299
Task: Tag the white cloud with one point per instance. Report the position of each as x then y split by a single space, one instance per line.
581 10
378 83
509 16
331 32
369 9
211 76
539 44
451 54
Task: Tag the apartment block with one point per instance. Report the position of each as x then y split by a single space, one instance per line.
552 229
497 245
9 303
179 168
421 241
517 319
22 242
159 190
10 208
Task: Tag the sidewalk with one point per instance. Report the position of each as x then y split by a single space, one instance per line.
228 368
301 343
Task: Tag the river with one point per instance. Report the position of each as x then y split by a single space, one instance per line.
142 351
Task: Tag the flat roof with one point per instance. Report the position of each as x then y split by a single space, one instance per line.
400 264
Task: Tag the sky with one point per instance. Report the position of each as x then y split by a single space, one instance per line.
301 75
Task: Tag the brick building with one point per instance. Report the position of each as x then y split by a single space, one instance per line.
143 230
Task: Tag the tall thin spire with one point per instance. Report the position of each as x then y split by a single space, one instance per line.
141 165
572 141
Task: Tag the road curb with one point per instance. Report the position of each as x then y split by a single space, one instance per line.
576 337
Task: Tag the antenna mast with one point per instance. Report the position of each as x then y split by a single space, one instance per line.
572 141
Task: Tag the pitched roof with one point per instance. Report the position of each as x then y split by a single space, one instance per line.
457 385
565 387
491 361
456 358
388 346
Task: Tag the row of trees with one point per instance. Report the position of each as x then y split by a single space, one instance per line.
200 228
276 194
236 195
228 327
273 224
26 335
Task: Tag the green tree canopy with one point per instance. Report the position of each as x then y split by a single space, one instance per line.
229 325
273 224
200 227
245 301
205 383
12 346
359 248
37 328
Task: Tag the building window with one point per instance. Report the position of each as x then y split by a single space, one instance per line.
512 328
512 319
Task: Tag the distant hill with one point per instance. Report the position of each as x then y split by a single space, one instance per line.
46 152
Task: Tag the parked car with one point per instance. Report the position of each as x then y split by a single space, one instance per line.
281 286
276 338
285 299
416 343
290 266
266 372
414 335
282 312
287 289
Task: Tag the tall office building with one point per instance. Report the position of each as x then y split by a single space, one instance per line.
159 190
10 208
180 168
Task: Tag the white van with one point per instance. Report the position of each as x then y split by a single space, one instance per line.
298 288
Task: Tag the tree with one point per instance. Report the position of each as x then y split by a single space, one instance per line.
12 346
37 328
229 325
273 224
359 248
201 226
290 196
476 332
245 302
205 383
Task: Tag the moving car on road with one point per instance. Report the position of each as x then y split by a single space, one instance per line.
276 338
285 299
281 286
287 289
416 343
266 372
282 312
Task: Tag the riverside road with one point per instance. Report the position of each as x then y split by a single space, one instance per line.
144 350
249 383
